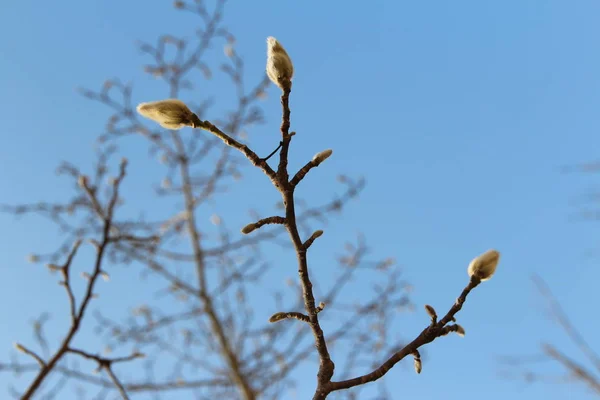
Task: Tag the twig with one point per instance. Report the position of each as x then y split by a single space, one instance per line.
312 238
80 313
66 273
31 353
428 335
229 141
315 162
280 316
106 364
265 221
578 370
273 152
566 324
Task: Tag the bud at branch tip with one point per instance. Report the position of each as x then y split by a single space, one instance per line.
484 266
280 69
170 114
322 156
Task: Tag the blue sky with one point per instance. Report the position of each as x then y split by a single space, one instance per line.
460 115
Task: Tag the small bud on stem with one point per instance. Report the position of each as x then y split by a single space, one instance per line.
418 363
280 69
322 156
431 312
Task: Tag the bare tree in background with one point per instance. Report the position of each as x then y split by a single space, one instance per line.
202 340
555 365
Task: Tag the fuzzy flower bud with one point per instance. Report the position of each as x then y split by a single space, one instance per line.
418 365
322 156
279 65
170 114
484 266
431 312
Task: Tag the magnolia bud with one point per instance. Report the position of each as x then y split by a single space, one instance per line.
484 266
279 65
431 312
418 365
322 156
170 114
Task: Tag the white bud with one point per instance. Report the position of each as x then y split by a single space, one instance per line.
322 156
418 365
280 69
484 266
170 114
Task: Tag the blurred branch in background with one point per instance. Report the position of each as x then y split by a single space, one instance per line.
583 368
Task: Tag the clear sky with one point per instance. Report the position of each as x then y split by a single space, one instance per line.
460 115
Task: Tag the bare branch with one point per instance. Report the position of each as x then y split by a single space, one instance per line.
256 225
426 336
280 316
565 323
31 353
578 370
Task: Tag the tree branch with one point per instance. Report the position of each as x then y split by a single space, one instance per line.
426 336
79 314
